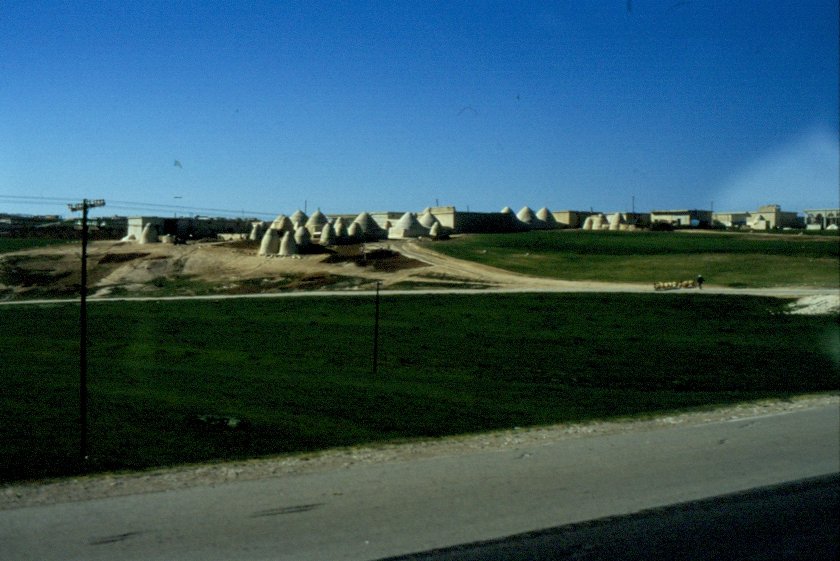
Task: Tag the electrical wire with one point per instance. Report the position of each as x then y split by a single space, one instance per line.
131 205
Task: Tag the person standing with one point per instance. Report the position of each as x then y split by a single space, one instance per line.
700 282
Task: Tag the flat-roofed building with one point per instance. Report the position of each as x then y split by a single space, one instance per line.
189 227
571 218
456 221
769 217
730 219
692 218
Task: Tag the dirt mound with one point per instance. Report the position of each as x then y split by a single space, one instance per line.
120 257
379 259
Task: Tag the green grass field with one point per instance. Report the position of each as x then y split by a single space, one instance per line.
736 260
8 245
298 371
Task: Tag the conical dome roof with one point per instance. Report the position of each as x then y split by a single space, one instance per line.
545 215
507 210
299 217
354 232
370 229
302 237
406 221
615 221
365 222
288 245
407 227
316 222
256 231
327 235
526 215
340 227
434 231
270 242
282 224
427 219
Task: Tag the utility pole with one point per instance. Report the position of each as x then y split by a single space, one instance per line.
84 206
376 332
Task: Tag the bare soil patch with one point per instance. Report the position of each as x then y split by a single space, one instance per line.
378 259
121 257
128 269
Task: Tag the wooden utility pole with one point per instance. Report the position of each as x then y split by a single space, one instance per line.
376 332
83 398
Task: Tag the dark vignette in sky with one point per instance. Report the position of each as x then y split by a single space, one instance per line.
361 105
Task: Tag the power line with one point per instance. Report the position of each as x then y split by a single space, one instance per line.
161 206
132 205
41 201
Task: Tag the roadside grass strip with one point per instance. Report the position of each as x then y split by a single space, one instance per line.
174 382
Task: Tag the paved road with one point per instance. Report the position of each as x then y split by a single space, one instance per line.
394 508
786 522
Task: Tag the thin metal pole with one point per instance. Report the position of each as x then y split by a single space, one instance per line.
376 332
83 397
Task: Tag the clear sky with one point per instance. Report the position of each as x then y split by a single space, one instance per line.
349 106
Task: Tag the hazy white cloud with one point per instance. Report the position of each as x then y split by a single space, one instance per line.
801 174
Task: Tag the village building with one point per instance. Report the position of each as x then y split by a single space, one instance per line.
770 217
692 218
407 227
460 222
822 218
571 218
187 228
447 220
730 219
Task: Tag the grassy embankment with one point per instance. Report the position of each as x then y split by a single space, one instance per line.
734 260
299 370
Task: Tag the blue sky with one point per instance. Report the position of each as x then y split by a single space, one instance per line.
350 106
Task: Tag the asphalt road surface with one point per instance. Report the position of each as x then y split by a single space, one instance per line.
791 521
392 508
